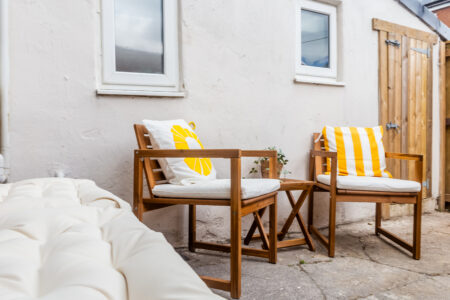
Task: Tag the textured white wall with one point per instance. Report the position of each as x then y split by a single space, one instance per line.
238 65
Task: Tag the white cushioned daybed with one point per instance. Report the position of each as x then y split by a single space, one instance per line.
63 239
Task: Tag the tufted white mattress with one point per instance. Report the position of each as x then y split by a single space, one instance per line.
64 239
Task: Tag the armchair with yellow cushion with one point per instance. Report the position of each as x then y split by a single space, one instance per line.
179 170
349 163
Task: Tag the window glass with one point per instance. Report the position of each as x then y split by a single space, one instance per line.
139 43
315 39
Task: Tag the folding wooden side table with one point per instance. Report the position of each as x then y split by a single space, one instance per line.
287 185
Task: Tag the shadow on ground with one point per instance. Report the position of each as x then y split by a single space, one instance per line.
365 266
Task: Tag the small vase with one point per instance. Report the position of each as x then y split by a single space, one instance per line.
265 169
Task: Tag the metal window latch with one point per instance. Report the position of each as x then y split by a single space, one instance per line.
391 125
423 51
393 43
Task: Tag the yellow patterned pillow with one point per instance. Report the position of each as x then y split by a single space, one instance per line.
360 151
177 134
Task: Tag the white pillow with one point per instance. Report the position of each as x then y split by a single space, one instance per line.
177 134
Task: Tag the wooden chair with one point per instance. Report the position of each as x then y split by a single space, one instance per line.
145 161
318 158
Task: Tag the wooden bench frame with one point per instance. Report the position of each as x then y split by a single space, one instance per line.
318 165
145 160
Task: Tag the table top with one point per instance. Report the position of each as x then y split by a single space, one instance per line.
288 184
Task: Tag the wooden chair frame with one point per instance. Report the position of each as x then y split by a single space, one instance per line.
145 160
318 165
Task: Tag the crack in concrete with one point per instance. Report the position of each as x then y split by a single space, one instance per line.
371 259
364 246
392 288
322 292
368 259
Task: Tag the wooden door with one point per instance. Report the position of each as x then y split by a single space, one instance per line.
446 173
405 95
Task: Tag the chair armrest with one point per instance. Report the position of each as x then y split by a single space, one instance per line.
404 156
418 162
321 153
333 160
215 153
258 153
235 170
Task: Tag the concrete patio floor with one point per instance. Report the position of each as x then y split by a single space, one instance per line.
365 266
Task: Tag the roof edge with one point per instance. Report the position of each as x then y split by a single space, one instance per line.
436 4
429 18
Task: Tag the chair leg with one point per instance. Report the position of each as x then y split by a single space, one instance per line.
138 205
311 210
140 211
273 232
192 227
417 226
332 227
377 217
235 255
415 247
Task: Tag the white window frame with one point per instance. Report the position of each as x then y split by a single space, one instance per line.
128 83
309 73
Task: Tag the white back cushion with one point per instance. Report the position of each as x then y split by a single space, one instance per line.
177 134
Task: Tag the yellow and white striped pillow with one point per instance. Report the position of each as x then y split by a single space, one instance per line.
360 151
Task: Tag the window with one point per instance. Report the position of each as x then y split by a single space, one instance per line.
140 48
315 46
316 59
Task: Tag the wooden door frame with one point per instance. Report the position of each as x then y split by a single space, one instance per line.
431 39
416 34
443 53
442 125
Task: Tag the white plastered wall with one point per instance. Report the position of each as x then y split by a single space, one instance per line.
238 66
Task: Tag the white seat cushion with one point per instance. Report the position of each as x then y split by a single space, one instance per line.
379 184
217 189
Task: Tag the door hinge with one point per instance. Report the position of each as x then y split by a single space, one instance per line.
426 184
393 43
423 51
391 125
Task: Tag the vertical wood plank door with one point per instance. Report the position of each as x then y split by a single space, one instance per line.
443 152
405 96
447 123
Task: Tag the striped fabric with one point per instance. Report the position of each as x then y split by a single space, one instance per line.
360 151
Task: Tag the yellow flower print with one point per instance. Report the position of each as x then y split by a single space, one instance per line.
186 139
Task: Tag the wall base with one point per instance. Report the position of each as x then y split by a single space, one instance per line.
398 210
